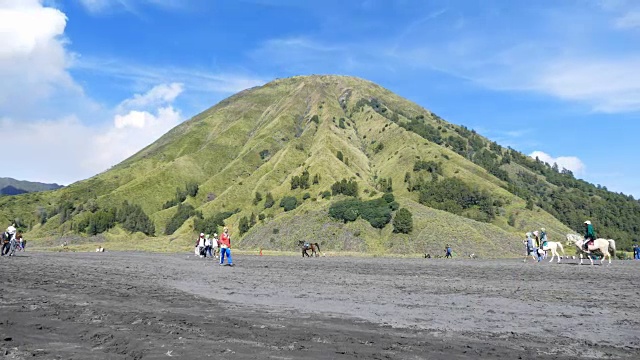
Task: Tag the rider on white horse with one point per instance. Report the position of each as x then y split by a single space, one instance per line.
543 238
589 236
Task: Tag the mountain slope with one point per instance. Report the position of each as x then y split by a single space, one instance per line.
460 188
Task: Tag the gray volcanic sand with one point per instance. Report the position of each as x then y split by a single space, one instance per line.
146 306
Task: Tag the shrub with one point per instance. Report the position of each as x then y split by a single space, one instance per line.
288 203
306 196
340 156
326 194
455 196
377 212
268 202
403 221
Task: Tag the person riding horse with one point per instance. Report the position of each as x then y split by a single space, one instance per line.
543 238
589 236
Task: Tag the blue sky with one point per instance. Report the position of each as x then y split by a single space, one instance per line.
89 82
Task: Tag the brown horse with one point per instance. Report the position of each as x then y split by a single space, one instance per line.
314 247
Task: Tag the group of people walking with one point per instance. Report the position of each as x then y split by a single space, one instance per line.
535 243
215 247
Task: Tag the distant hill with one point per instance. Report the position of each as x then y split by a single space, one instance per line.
331 159
9 186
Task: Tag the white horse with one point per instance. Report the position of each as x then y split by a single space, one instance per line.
602 245
553 246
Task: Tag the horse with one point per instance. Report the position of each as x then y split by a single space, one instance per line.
601 245
314 247
553 246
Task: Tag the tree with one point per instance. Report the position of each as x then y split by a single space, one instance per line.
184 212
268 202
257 198
192 188
340 156
243 226
403 221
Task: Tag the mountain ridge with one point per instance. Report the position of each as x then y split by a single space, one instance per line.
11 186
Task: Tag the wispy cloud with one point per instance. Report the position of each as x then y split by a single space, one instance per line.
192 79
629 20
133 6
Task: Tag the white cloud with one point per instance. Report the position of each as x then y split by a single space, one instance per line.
66 150
160 94
564 162
130 133
33 58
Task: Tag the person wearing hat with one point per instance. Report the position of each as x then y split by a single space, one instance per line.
207 246
225 247
200 245
589 235
215 245
543 237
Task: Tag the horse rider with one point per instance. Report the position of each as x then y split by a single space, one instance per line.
543 237
589 235
11 231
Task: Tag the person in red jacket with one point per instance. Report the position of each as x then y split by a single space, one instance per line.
225 247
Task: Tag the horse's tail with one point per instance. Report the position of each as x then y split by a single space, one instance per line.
612 246
317 246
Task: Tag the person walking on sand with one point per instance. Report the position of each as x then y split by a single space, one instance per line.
529 249
215 245
448 252
207 246
636 252
225 247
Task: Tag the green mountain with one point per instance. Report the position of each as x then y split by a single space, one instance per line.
315 158
9 186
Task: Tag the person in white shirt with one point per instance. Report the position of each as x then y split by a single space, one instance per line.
215 245
11 230
207 246
201 245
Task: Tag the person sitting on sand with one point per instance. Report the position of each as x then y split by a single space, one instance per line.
225 247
